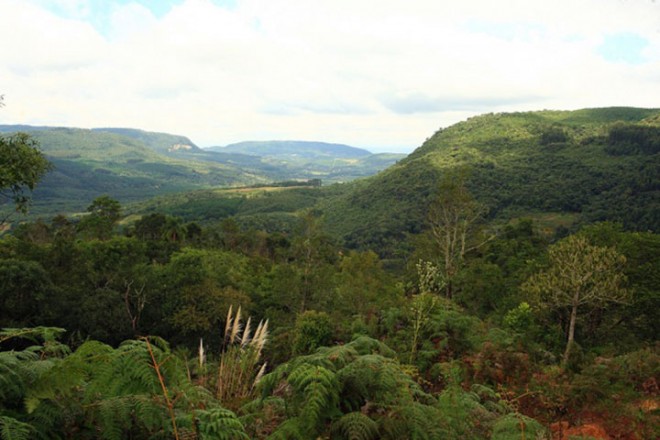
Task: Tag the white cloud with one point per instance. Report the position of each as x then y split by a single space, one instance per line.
379 75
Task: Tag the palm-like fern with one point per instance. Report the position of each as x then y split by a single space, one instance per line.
139 390
351 390
219 424
355 426
12 429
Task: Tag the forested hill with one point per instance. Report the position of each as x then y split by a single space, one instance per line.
305 149
562 168
133 165
162 142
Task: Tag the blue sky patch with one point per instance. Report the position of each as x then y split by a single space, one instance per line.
624 47
98 12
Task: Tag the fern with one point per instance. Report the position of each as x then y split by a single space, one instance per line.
12 429
380 381
358 377
367 345
65 376
320 391
261 416
220 424
415 421
355 426
47 334
291 429
515 426
14 373
115 417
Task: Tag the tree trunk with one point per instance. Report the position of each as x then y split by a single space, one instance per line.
571 335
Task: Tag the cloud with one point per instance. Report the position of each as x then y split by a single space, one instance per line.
420 103
348 71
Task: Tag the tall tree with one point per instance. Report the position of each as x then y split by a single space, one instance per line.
579 274
453 219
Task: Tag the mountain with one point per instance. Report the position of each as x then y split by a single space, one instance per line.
294 149
134 165
161 142
313 160
89 163
561 168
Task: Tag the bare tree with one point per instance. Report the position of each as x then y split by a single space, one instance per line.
454 221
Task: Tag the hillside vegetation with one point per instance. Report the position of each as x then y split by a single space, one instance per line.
294 149
564 168
415 304
134 165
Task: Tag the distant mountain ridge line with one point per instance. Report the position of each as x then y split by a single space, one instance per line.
292 147
133 165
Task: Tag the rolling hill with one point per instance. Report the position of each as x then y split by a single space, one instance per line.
297 149
134 165
313 160
562 168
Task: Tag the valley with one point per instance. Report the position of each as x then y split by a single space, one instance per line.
500 282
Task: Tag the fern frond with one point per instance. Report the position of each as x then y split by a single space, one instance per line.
220 424
516 425
114 417
290 429
12 429
63 377
14 373
31 333
338 356
355 426
48 419
366 345
320 391
379 380
271 380
415 421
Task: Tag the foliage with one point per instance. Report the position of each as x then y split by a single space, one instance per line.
579 274
139 390
312 330
104 213
519 319
513 174
135 165
478 366
516 426
453 220
21 168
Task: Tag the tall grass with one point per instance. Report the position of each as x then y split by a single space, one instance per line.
239 367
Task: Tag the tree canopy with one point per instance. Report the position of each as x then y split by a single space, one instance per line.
22 166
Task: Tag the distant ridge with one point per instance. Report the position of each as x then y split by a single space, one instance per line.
162 142
307 149
132 165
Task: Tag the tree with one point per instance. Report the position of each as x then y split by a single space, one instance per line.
22 166
313 252
453 224
579 274
104 213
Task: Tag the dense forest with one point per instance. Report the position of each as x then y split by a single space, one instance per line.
500 283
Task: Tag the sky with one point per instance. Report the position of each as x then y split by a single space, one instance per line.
382 75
